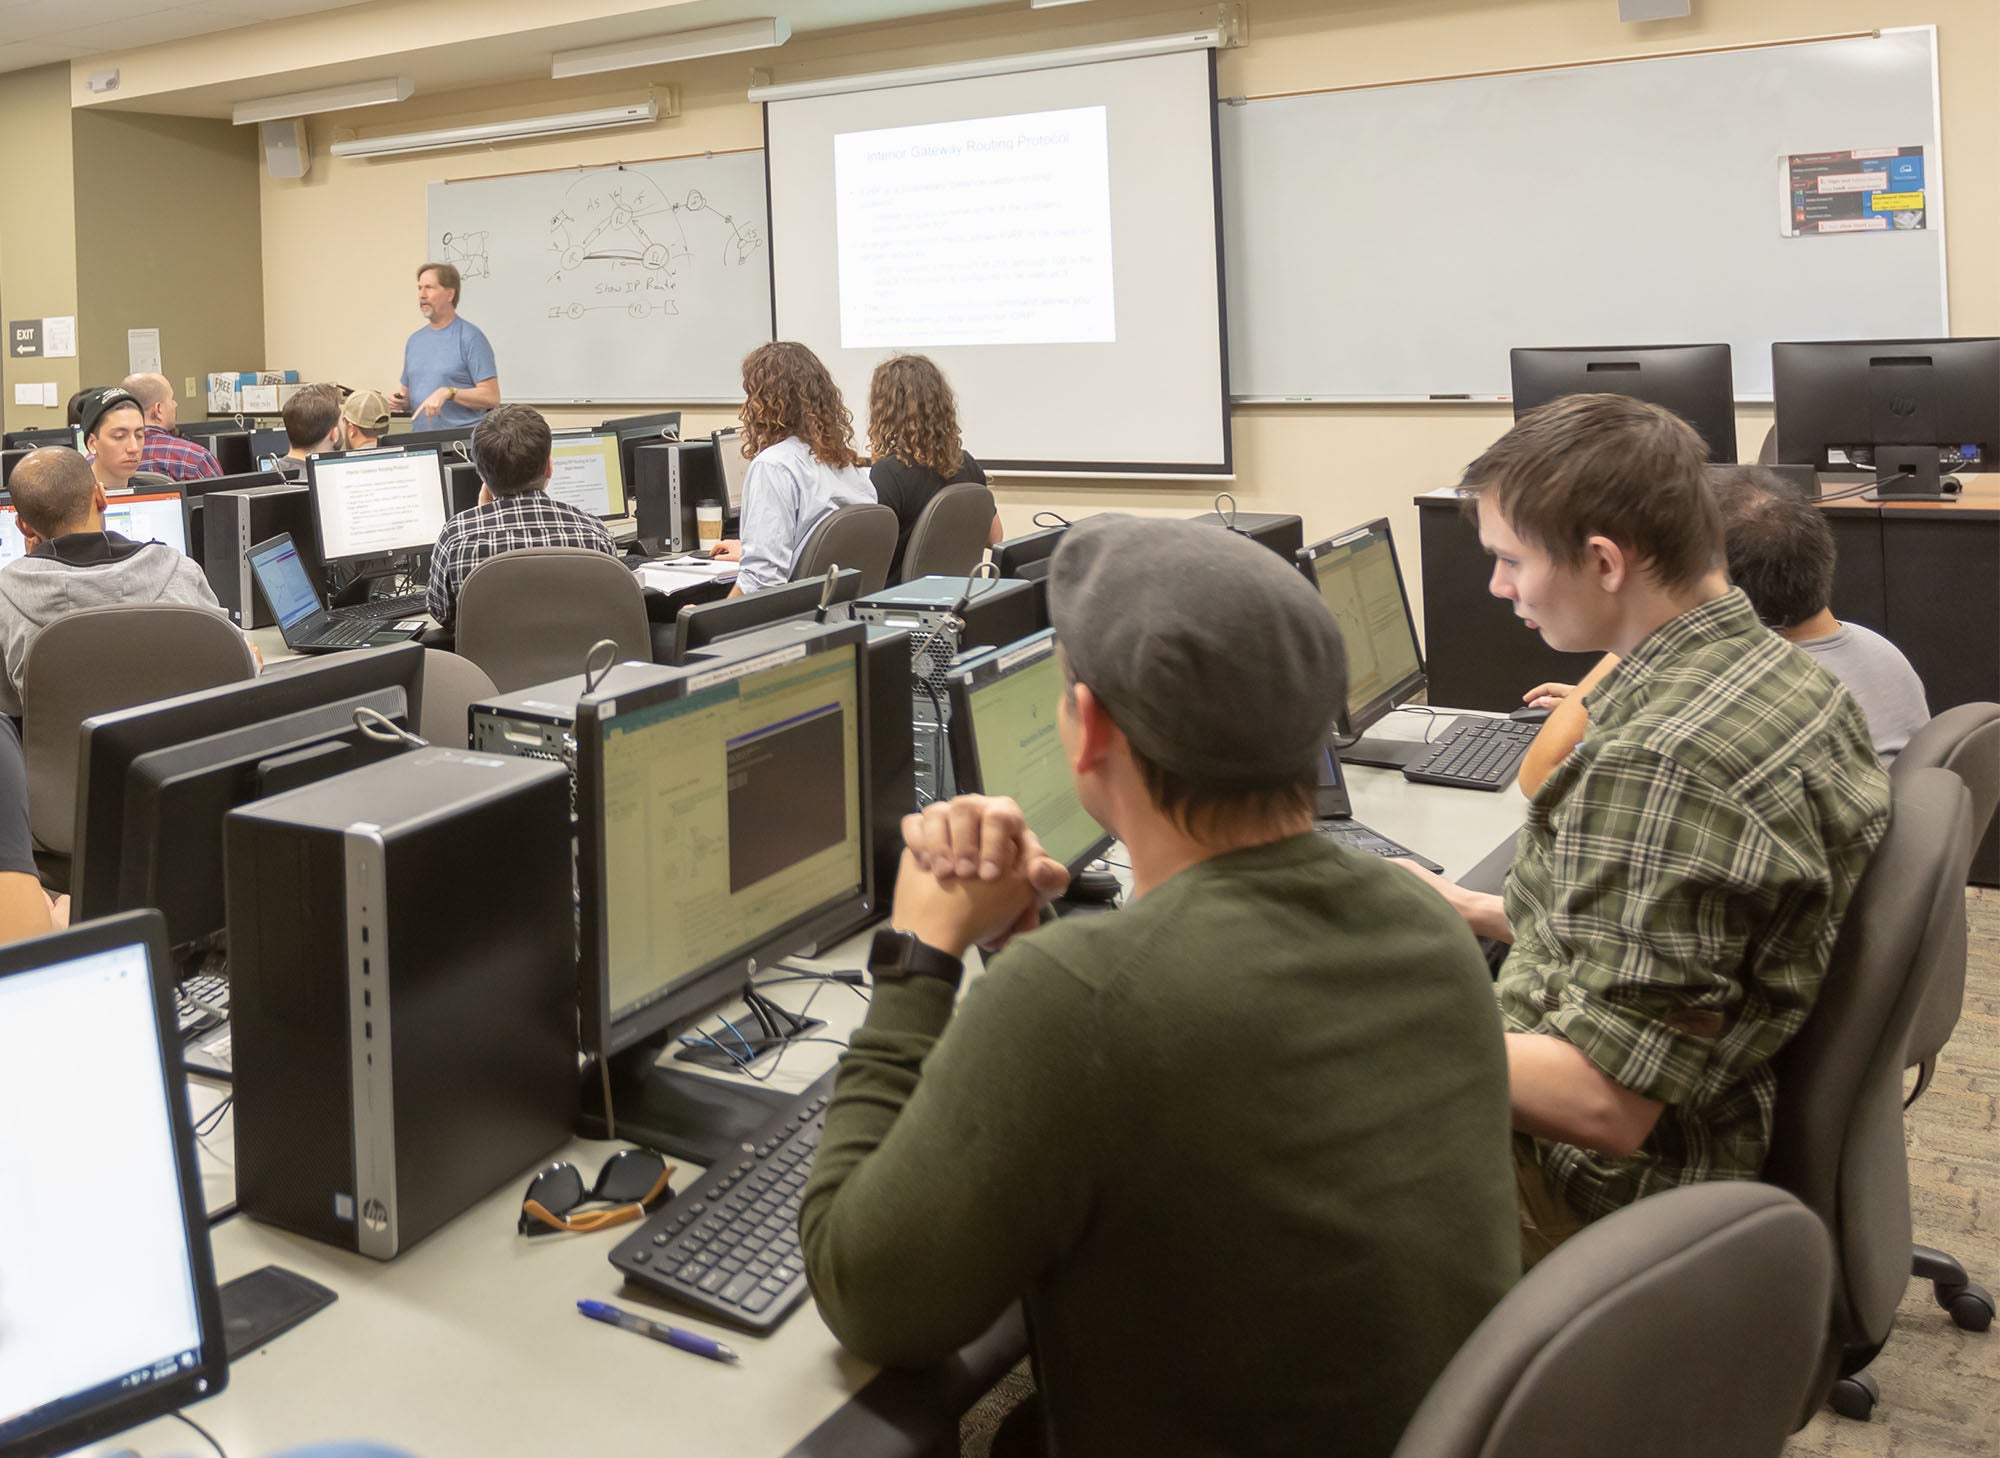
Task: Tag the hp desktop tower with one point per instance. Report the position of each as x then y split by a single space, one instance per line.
669 478
235 521
403 993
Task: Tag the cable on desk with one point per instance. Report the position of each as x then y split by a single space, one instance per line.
204 1432
209 1122
743 1063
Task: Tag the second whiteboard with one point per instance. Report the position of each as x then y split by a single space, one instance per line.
644 283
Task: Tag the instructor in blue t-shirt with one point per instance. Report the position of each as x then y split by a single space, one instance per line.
449 377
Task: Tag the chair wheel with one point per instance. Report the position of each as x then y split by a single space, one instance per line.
1855 1397
1971 1306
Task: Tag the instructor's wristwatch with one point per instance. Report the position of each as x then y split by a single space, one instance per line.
451 392
898 955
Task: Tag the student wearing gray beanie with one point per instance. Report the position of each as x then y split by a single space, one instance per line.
1300 1039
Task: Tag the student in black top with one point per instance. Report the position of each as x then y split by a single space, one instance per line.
913 436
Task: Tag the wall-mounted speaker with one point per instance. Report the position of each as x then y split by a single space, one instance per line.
286 153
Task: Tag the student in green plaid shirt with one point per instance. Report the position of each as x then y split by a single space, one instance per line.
1682 874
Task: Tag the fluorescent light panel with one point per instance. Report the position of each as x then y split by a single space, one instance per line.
637 114
680 45
330 98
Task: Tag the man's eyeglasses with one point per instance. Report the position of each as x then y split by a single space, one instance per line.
632 1182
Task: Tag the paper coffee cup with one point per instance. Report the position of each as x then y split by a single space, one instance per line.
708 524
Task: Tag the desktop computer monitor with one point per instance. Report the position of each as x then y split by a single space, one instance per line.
109 1313
29 440
634 431
1028 555
374 506
1005 741
267 446
721 825
1692 380
585 471
732 465
148 516
713 622
155 781
448 439
1839 400
1361 582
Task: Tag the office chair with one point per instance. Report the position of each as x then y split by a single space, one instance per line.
98 659
528 616
861 536
1767 453
452 685
1965 741
1837 1142
950 533
1689 1322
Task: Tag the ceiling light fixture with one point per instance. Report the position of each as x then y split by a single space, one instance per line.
637 114
680 45
330 98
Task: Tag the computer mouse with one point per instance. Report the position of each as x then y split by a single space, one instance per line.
1529 715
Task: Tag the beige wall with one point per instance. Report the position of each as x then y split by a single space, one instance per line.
37 229
176 245
1334 465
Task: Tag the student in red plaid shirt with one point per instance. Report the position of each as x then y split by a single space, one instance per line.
166 450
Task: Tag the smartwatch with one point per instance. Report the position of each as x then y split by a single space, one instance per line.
896 956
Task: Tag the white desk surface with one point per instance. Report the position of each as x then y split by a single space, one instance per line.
470 1342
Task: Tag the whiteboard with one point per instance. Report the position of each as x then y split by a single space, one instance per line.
1397 241
642 283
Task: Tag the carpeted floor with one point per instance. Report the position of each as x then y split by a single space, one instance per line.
1940 1385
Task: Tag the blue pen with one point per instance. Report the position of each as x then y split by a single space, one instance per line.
659 1331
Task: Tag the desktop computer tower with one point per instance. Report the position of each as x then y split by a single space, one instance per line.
403 993
669 478
1000 610
1284 535
233 522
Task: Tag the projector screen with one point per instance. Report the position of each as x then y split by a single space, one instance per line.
1048 236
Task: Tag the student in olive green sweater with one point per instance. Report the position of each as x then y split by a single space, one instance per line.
1242 1146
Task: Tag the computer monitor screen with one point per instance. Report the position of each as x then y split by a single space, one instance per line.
585 471
108 1307
155 781
1005 741
1692 380
151 516
1361 583
1837 400
154 516
733 466
721 824
712 622
375 504
62 435
268 445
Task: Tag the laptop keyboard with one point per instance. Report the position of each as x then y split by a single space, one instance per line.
389 609
1354 836
350 631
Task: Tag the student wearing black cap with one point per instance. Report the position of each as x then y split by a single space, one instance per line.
1241 1147
114 435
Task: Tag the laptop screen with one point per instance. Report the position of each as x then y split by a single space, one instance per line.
99 1293
286 585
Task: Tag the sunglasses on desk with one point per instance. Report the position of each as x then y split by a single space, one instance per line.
632 1182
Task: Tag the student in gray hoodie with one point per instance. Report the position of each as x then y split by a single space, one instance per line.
73 562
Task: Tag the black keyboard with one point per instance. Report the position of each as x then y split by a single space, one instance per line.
1475 754
201 1004
728 1245
389 609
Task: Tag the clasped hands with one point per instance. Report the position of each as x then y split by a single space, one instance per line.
973 874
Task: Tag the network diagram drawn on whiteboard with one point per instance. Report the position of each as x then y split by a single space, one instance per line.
620 243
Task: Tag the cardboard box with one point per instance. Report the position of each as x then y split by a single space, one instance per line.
259 399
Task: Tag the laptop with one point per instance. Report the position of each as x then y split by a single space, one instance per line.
308 626
1333 818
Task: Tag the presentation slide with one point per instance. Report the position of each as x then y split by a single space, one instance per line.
993 230
584 471
377 503
1048 236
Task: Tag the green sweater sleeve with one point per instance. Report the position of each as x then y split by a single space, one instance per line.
952 1171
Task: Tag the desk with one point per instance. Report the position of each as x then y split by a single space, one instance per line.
1925 574
470 1341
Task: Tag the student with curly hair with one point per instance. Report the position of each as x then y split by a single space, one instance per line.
913 436
800 439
